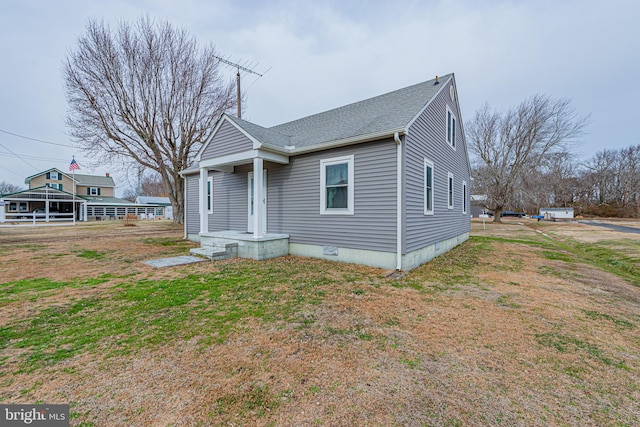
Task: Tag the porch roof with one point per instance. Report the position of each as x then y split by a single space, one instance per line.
43 193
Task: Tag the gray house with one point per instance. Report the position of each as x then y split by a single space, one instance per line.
381 182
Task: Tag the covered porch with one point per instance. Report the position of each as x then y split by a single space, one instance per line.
254 241
42 204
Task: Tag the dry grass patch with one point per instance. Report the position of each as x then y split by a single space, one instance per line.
510 328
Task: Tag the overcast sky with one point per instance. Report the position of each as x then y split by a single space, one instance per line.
324 54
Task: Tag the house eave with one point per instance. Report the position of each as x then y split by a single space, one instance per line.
347 141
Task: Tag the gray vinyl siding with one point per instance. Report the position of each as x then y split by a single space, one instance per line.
230 200
191 208
227 140
427 139
294 200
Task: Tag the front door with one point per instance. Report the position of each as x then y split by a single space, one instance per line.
250 202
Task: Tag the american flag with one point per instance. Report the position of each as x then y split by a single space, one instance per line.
74 166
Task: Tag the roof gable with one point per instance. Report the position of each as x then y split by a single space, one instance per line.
28 179
81 179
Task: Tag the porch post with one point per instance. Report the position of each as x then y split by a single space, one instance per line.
46 205
85 209
204 214
258 197
2 210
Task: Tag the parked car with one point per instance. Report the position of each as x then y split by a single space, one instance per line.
513 214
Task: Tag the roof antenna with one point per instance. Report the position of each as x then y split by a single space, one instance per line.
238 67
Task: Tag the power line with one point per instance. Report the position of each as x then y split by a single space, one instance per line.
37 140
18 156
24 156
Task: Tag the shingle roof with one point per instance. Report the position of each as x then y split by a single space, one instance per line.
371 118
153 200
94 180
105 200
262 134
390 111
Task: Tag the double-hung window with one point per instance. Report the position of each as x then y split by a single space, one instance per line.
336 185
450 190
93 191
451 128
428 187
56 186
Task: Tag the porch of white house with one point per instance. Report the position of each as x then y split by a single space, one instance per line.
255 242
41 204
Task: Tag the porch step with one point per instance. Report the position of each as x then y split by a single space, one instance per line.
216 248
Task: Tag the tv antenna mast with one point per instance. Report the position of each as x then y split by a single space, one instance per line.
238 67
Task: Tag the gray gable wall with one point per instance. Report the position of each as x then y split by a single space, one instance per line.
426 138
227 140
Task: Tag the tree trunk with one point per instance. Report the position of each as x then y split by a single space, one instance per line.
497 215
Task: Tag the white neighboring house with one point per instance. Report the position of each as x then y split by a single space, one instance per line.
57 196
558 213
157 201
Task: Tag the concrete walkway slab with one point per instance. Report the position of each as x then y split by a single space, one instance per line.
170 262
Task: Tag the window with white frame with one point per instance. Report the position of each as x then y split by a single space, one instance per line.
93 191
53 175
464 197
337 186
56 186
451 128
210 194
428 187
450 190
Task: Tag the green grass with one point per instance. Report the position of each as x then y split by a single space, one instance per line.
565 344
592 314
37 288
598 255
91 254
148 312
447 272
171 244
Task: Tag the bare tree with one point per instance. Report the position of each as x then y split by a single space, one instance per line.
611 182
8 188
150 184
511 147
146 92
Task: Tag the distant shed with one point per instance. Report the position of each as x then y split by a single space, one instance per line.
557 213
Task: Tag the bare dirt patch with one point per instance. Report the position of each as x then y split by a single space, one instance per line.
522 339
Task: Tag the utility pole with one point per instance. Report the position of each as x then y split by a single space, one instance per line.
238 67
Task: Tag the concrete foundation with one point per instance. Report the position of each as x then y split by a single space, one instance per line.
420 256
228 244
244 245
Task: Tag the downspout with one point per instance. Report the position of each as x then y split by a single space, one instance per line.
396 138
